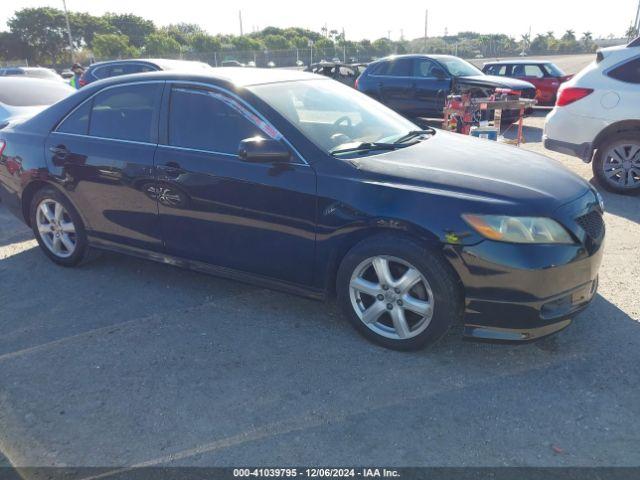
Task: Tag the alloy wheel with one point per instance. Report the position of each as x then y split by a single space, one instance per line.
56 228
391 297
621 165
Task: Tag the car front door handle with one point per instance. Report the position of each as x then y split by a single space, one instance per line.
173 169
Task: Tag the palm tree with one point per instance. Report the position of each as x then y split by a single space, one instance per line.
569 35
587 36
632 32
550 34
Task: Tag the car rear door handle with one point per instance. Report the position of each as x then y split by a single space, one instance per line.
59 150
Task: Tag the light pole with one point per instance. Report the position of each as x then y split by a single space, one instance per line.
66 17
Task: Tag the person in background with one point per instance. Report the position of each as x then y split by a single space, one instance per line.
77 73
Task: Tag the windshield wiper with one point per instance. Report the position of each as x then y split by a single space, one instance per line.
366 147
414 134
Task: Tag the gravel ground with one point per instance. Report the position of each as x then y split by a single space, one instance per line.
125 362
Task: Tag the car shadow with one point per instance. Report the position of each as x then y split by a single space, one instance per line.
626 206
117 288
530 134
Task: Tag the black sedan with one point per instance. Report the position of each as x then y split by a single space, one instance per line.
296 182
418 85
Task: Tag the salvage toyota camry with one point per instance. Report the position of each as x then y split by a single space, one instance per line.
296 182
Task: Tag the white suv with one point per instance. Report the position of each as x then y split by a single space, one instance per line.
598 111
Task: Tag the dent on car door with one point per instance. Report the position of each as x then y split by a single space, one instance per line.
216 208
102 154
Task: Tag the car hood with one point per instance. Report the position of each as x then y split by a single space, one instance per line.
494 81
505 178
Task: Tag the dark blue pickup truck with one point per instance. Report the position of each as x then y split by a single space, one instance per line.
417 85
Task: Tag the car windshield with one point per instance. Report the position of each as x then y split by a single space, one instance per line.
333 116
459 68
554 70
24 92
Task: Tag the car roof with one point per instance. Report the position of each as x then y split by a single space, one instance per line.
235 76
416 55
519 61
27 69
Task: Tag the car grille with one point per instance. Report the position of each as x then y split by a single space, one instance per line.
592 223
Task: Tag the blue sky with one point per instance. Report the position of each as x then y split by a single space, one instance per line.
370 19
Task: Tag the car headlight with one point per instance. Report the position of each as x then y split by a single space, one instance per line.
518 229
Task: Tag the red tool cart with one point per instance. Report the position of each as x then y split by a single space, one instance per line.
461 112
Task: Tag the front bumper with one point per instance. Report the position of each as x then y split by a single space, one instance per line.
522 292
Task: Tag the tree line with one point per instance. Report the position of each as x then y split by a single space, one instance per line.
39 36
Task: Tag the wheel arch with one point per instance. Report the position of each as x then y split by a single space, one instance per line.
615 129
30 191
376 228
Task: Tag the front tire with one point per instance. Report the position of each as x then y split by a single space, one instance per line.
397 293
617 164
58 228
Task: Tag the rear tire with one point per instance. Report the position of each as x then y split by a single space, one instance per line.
397 293
616 165
58 228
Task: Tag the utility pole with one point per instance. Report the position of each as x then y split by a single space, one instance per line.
637 22
66 17
240 18
426 26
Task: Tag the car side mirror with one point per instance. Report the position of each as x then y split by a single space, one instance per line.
263 150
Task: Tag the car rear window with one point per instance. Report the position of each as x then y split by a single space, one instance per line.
78 121
627 72
401 67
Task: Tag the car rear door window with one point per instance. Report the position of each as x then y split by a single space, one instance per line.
78 121
128 68
101 72
129 113
627 72
379 68
206 120
402 67
533 71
